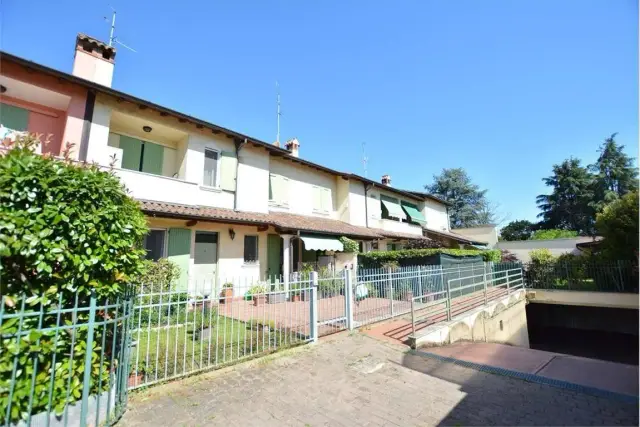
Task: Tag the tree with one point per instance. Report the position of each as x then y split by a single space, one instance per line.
618 225
467 200
517 230
569 206
614 174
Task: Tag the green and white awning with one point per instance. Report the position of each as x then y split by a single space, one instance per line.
414 213
321 243
393 207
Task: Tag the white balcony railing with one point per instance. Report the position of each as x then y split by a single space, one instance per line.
398 227
172 190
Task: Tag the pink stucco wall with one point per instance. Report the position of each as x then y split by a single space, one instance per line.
68 126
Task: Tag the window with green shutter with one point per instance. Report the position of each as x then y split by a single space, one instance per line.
321 199
228 167
278 189
14 118
152 158
179 251
141 156
131 152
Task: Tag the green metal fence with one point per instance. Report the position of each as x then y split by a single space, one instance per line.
64 363
616 276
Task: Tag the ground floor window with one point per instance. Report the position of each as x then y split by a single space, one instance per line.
250 248
154 244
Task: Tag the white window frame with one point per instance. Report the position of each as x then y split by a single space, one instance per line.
204 154
257 260
165 241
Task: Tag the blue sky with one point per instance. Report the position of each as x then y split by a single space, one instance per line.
503 89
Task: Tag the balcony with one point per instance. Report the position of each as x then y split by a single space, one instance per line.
397 226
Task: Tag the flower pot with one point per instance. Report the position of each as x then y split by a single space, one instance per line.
259 299
295 297
408 296
135 380
227 294
276 297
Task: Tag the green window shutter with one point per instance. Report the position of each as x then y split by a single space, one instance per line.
14 118
228 166
131 152
179 251
152 158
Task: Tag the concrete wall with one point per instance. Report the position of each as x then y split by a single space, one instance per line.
302 179
557 247
502 321
488 234
582 298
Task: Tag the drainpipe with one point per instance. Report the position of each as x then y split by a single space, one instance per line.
366 204
238 145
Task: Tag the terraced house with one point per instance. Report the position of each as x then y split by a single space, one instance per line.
219 203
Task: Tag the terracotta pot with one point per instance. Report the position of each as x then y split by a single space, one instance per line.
135 380
259 299
227 294
295 297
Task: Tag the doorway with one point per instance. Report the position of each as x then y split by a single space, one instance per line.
205 259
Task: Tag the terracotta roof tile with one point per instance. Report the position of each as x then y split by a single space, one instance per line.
277 219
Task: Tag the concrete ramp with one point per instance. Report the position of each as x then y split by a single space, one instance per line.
590 373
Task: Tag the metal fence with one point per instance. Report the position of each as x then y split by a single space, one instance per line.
178 333
63 362
618 276
462 294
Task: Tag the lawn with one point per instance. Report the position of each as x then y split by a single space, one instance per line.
203 342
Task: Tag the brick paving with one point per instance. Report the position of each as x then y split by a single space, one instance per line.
355 380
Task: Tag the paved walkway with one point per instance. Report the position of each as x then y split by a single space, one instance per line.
355 380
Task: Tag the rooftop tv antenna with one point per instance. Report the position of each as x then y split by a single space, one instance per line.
278 112
365 159
112 37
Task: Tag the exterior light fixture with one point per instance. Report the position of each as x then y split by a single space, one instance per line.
146 128
2 89
232 233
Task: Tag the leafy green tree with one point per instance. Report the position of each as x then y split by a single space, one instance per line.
517 230
614 173
618 225
468 201
553 234
569 206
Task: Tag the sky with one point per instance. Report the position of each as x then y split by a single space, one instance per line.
503 89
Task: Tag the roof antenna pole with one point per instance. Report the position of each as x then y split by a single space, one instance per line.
112 37
365 159
113 27
279 113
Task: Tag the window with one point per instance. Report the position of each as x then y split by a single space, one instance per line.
210 168
14 118
278 189
391 209
154 244
206 248
142 156
250 248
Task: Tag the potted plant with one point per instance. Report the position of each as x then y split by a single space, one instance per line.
277 295
136 374
258 294
227 292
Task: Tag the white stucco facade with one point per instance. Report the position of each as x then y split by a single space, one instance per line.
557 247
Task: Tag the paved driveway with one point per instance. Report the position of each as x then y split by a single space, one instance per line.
355 380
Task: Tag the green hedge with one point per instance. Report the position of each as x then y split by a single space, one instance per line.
419 256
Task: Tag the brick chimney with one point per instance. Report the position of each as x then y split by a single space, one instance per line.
94 60
293 146
386 180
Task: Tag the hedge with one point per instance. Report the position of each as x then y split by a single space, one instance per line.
419 256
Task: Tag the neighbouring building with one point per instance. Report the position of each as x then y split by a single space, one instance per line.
221 204
572 245
482 233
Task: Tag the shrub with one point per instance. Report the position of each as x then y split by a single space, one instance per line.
66 230
618 225
350 246
553 234
420 256
159 276
541 256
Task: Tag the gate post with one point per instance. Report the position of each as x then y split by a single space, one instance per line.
86 382
485 283
448 300
348 298
313 314
390 284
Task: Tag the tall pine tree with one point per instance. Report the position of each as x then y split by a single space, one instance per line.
569 205
614 174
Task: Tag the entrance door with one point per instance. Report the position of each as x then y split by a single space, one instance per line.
274 256
205 260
